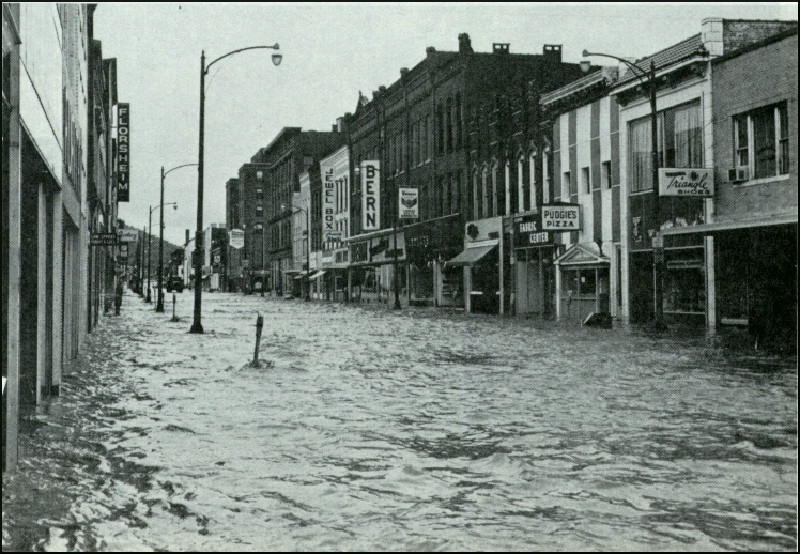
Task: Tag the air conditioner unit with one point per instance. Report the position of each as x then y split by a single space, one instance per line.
738 174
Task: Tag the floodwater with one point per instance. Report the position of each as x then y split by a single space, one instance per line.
415 430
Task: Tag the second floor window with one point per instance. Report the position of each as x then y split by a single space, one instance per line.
761 141
680 143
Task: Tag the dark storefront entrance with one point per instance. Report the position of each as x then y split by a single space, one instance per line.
756 280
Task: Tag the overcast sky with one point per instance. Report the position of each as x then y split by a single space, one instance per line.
330 52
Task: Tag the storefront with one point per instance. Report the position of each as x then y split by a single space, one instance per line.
371 275
753 273
482 271
428 243
534 283
583 281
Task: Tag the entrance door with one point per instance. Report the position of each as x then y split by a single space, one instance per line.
641 287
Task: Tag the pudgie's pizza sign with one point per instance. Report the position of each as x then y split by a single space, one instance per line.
697 182
561 217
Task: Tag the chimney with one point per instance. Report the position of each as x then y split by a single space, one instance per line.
429 51
374 94
403 71
552 53
334 128
339 124
500 47
464 44
187 236
712 29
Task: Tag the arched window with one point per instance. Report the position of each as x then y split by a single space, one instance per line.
520 181
476 195
532 178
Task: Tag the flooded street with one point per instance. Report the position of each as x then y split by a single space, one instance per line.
417 430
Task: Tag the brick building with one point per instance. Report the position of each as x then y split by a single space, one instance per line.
454 127
290 153
755 218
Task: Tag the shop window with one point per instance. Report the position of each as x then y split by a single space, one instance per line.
684 287
680 143
587 282
570 282
761 141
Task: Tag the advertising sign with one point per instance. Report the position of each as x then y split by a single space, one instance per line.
128 235
123 152
483 229
371 195
409 203
696 182
528 232
104 239
123 250
329 232
561 217
236 238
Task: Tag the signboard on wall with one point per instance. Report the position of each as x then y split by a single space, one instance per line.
690 182
480 230
329 232
408 204
123 152
128 235
528 232
371 195
561 217
104 239
236 238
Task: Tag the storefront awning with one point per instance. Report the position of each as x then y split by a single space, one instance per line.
472 254
317 275
731 225
299 276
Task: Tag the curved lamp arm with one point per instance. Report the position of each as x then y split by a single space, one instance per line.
637 71
154 208
232 52
178 167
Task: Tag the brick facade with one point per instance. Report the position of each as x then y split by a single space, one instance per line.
735 92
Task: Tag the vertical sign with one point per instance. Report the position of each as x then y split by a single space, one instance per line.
123 152
329 232
408 203
370 195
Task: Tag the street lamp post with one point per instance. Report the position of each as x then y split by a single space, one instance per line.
160 295
648 80
149 299
149 242
197 327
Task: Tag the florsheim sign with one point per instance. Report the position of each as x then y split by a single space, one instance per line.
696 182
123 153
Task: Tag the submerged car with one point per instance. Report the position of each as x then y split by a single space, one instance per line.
175 283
